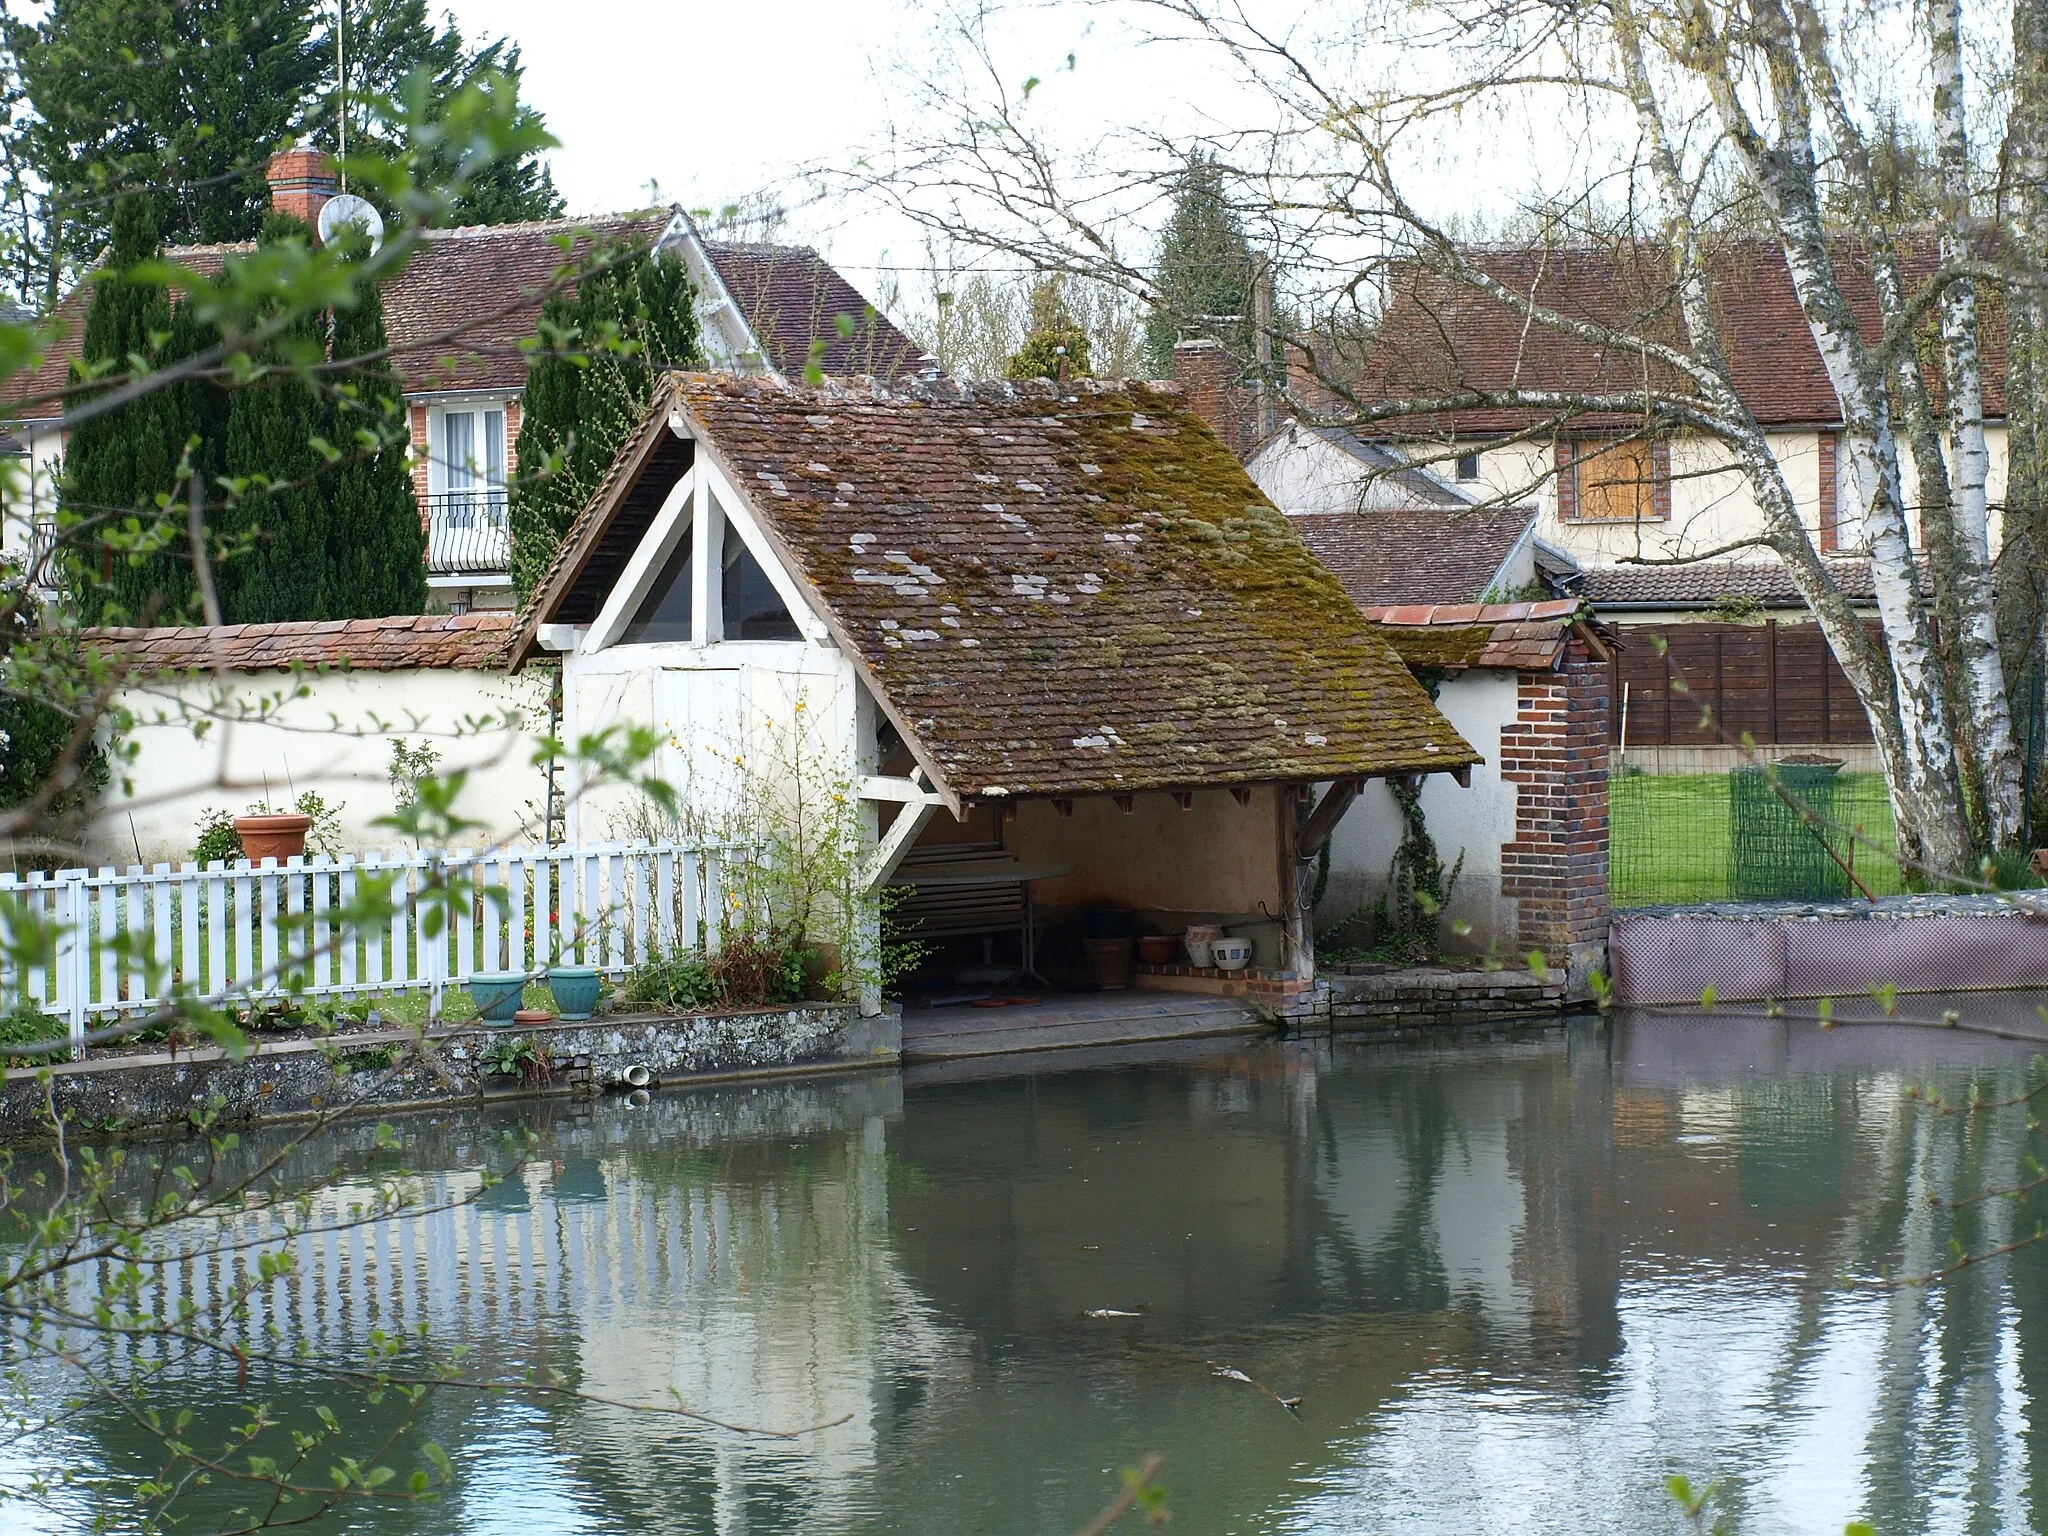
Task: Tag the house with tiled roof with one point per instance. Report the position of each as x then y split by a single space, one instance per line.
1610 496
461 314
1057 630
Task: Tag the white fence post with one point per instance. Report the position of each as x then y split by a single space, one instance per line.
242 931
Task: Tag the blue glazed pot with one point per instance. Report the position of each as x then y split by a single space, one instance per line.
575 988
497 996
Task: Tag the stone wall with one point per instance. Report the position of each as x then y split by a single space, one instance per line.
374 1071
1433 996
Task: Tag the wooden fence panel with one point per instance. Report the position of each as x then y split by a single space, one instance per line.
1777 682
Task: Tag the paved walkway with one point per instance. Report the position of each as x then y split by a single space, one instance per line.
1063 1022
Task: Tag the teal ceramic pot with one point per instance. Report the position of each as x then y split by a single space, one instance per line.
497 996
575 988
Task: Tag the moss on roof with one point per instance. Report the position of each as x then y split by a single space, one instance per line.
1066 592
1438 647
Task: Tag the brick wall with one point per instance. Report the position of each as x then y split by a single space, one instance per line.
301 182
1567 481
417 415
1555 754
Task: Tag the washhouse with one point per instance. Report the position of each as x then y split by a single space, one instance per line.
1071 668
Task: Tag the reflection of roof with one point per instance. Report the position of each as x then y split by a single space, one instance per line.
1704 584
459 308
1441 336
1513 637
471 641
1422 555
1053 594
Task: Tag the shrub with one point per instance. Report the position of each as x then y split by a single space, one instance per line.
679 980
757 970
25 1024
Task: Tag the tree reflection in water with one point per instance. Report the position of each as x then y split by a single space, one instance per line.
1516 1283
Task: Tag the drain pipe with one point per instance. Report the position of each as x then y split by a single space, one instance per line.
632 1075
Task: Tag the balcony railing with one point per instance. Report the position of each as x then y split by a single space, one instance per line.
467 532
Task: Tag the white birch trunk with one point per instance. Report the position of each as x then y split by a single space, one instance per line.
1989 713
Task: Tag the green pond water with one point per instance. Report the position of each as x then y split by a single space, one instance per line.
1515 1284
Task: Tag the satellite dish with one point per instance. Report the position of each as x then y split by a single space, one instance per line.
350 211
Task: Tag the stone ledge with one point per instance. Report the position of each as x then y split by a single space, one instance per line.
388 1069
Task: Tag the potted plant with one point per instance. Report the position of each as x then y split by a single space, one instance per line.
268 834
576 989
497 995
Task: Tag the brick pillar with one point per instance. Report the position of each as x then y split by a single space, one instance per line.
513 416
301 182
1555 754
1567 482
1660 480
417 416
1830 507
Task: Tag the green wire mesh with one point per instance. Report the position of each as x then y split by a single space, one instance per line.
1672 838
1778 842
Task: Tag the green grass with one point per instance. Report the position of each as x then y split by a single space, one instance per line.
1669 837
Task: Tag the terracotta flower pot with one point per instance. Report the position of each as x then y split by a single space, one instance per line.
1158 949
273 837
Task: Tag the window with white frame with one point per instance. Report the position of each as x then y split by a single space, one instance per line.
466 480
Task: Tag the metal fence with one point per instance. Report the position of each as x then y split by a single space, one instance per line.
468 531
1678 839
128 939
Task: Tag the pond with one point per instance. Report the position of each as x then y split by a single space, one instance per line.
1515 1284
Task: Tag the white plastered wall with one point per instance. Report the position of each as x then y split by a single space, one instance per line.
28 490
1474 822
1302 471
331 733
733 716
1712 504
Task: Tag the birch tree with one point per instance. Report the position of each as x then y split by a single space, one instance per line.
1683 122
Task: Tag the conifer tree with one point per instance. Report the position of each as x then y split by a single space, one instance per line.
122 470
1204 275
276 516
603 348
376 547
1056 346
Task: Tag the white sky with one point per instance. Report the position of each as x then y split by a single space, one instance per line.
712 101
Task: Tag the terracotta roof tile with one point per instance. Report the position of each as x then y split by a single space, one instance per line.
472 642
794 299
1416 555
490 280
1708 582
1057 595
1442 336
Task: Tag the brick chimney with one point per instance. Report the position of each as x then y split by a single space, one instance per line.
1207 376
301 182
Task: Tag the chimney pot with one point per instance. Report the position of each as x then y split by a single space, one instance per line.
301 182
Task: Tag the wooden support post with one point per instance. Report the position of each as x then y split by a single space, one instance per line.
1125 803
1322 821
1241 793
1463 774
1297 885
1063 805
1185 799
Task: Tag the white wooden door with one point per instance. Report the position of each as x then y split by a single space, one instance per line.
703 714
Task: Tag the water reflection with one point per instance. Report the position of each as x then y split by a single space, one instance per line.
1516 1284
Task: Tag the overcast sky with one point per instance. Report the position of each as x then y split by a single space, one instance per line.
713 101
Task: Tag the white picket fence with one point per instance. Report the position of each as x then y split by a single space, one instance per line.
234 931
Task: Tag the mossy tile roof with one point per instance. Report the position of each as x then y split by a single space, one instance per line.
1065 592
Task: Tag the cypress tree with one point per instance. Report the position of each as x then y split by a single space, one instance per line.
136 568
276 516
1204 273
376 547
604 346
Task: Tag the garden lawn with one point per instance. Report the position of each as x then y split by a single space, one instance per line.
1669 837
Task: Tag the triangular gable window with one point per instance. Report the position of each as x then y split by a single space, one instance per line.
666 612
754 610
